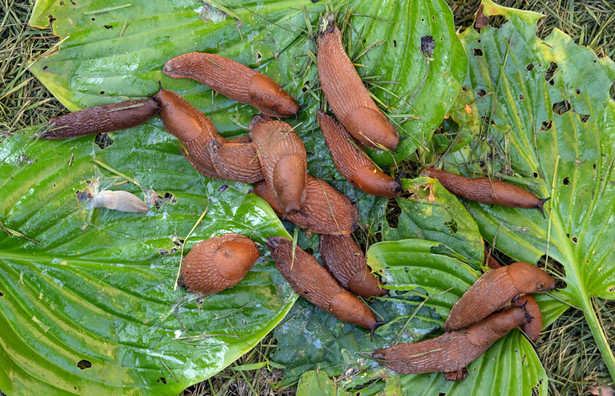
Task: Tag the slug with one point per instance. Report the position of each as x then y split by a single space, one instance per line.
326 210
353 163
283 160
346 94
346 262
218 263
494 290
119 200
208 152
490 261
312 281
235 81
100 119
532 327
450 353
485 190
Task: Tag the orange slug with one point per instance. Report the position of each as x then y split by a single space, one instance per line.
283 160
353 163
233 80
450 353
485 190
312 281
490 261
99 119
236 161
326 210
346 262
218 263
494 290
347 95
532 327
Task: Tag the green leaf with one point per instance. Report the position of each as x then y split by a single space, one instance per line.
317 383
551 129
90 307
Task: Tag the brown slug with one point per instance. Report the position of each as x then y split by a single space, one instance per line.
208 152
450 353
325 211
99 119
233 80
485 190
346 262
490 261
312 281
533 326
283 160
218 263
494 290
346 94
119 200
353 163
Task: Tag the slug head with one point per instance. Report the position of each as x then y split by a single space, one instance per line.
529 279
180 119
270 98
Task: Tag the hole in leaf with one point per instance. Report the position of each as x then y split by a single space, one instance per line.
530 67
574 239
163 252
546 125
166 198
162 379
395 43
535 175
84 364
1 294
45 67
521 97
452 226
594 166
488 120
481 92
578 91
315 1
566 181
108 27
584 117
93 18
441 394
612 289
102 92
478 52
550 72
562 107
223 188
103 141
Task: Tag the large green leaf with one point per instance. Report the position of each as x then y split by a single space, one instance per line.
426 277
551 129
116 50
87 302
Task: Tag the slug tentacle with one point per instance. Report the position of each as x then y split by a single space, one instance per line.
533 325
353 163
325 211
100 119
494 290
218 263
485 190
233 80
312 281
347 95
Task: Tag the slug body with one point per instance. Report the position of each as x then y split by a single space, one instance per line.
494 290
346 262
353 163
485 190
325 211
100 119
533 326
218 263
119 200
235 81
283 160
312 281
452 352
347 95
209 152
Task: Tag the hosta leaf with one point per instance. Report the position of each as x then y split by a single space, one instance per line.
117 50
551 128
86 296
